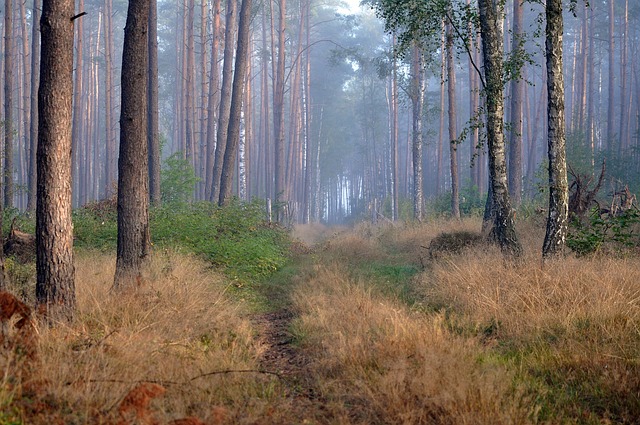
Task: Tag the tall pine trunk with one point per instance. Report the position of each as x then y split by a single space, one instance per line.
133 168
55 281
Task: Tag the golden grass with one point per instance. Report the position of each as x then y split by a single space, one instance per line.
174 331
392 365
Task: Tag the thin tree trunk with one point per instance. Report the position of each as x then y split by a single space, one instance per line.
554 240
204 90
35 81
278 111
517 93
152 112
55 286
440 146
212 100
110 156
8 103
394 133
453 132
610 111
78 105
417 98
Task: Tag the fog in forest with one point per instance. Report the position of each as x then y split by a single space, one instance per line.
328 104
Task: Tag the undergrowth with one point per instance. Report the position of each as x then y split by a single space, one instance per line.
235 237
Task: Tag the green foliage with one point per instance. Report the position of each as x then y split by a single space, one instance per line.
617 231
472 203
234 237
177 180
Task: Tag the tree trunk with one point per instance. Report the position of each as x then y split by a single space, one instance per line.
503 232
610 110
55 286
417 99
203 104
212 102
78 105
453 132
278 111
242 57
517 93
133 171
35 81
554 240
152 89
440 146
394 133
110 154
225 99
8 103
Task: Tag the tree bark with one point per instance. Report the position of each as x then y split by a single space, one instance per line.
225 99
110 154
278 112
610 110
8 103
55 286
517 93
503 231
133 171
242 57
152 89
33 129
453 132
417 99
555 236
212 102
78 106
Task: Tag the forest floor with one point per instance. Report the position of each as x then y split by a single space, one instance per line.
407 323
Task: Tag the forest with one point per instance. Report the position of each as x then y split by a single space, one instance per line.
272 212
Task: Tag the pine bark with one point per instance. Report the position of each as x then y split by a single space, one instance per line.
555 236
133 171
233 133
212 102
78 105
152 89
33 129
55 286
225 99
503 231
278 111
8 103
610 108
110 154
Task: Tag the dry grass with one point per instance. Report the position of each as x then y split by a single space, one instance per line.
180 331
385 364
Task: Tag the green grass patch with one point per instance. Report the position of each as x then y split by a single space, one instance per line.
234 238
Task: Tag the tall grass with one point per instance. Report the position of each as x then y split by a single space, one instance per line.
395 365
178 330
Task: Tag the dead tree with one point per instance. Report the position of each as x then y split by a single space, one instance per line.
580 196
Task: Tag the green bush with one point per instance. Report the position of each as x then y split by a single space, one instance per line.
178 180
616 231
